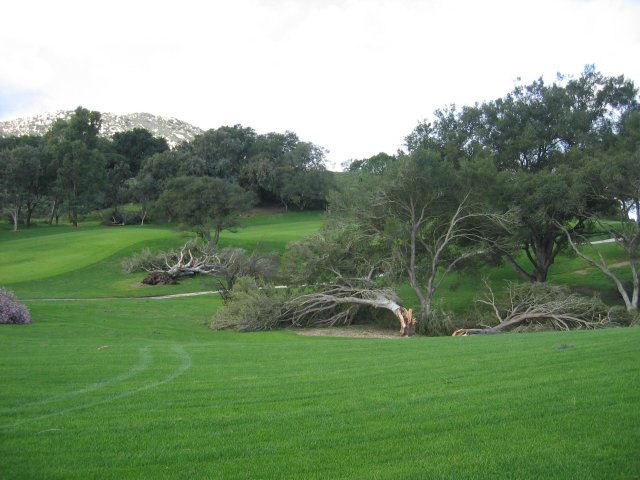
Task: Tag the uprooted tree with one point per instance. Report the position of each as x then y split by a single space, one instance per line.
199 258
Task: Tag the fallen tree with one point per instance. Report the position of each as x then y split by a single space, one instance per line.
551 306
336 304
254 306
198 258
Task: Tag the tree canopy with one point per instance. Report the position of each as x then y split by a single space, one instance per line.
204 203
537 138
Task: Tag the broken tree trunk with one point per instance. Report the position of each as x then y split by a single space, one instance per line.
336 304
407 321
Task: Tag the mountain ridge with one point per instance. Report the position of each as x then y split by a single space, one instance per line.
174 131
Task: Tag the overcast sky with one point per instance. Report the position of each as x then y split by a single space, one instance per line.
354 76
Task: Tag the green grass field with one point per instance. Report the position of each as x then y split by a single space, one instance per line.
132 388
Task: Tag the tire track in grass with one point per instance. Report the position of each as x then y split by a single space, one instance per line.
185 364
141 366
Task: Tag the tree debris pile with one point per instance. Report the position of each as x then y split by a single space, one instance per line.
541 305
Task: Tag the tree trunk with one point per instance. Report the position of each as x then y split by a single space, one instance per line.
73 217
407 321
29 213
54 209
465 332
323 304
630 301
541 253
15 213
522 273
216 236
31 206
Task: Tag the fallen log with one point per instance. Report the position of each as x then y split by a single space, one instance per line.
336 304
465 332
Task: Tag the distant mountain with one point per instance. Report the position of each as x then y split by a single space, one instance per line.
173 130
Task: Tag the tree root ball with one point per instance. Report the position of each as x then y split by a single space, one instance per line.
159 278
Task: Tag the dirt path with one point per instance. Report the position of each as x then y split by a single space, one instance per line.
351 331
154 297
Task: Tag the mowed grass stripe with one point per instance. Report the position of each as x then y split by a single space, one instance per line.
44 256
269 233
143 364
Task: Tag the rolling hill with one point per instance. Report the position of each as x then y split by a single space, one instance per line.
173 130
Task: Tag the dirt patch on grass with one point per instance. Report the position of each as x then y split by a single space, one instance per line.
619 264
584 271
352 331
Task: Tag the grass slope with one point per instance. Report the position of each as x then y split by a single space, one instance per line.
61 262
139 388
460 289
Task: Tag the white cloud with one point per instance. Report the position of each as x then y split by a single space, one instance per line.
354 76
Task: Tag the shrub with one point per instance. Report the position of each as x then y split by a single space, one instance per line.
439 323
250 307
11 310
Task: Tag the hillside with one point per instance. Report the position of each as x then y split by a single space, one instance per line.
173 130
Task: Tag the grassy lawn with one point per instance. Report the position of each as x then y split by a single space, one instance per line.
271 233
140 388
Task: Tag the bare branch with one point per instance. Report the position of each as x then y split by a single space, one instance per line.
542 303
631 302
229 263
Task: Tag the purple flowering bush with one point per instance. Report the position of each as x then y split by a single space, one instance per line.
11 310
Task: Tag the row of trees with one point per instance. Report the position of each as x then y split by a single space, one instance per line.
71 168
202 183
